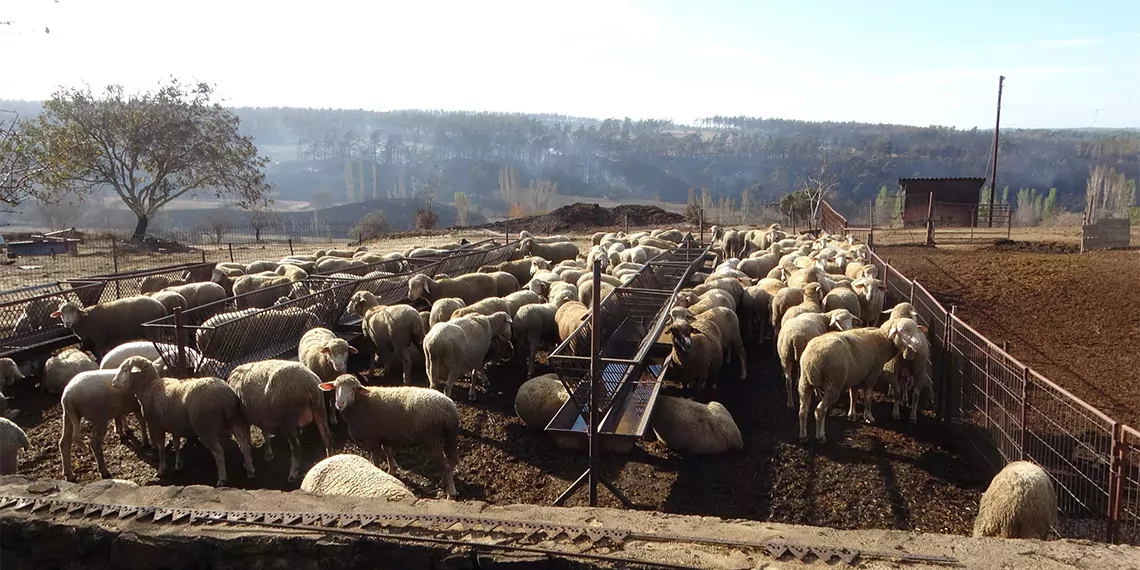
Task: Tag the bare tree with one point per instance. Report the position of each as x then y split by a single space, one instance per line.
260 216
1106 193
18 168
216 226
372 225
816 188
59 215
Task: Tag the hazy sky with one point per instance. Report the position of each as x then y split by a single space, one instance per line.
1067 63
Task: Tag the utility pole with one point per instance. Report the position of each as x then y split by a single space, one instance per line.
993 165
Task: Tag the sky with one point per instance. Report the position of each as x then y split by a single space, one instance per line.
926 62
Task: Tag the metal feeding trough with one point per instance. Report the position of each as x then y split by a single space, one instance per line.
633 362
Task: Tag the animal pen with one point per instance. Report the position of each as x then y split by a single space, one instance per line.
1008 412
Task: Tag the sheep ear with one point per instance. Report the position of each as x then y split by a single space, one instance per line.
361 391
857 321
56 315
325 349
327 386
136 370
886 312
923 328
352 350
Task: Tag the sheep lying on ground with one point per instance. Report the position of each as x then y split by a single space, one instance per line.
353 476
686 426
280 396
91 396
443 309
204 407
844 360
1019 503
471 288
539 399
61 368
381 418
395 330
796 333
696 356
12 440
106 325
460 346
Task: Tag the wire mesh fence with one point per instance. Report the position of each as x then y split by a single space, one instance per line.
26 322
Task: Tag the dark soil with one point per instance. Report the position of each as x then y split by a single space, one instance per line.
580 217
1072 318
1007 245
889 475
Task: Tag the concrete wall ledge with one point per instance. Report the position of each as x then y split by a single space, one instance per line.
58 540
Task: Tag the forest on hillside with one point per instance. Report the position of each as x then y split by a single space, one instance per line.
514 162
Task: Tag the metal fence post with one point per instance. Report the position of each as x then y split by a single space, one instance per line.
180 340
203 252
930 221
912 284
1024 414
947 363
290 246
1008 224
870 224
231 245
115 253
1115 487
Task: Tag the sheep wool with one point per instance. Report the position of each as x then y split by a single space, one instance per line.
353 476
12 440
1019 503
91 396
686 426
539 399
61 368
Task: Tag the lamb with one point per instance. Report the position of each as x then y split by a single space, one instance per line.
170 300
1019 503
842 298
460 345
92 397
279 397
471 287
381 418
395 330
696 356
63 367
555 252
154 283
198 294
202 407
725 325
12 440
443 309
796 333
539 399
106 325
812 303
353 476
37 315
871 295
691 427
259 291
534 326
569 316
845 360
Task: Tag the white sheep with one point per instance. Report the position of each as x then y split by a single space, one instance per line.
442 309
796 333
871 296
569 317
258 291
326 354
12 440
107 325
555 251
539 399
381 418
1019 503
691 427
754 313
471 287
151 351
61 368
535 326
280 396
812 303
153 283
725 325
505 283
903 376
842 298
198 294
37 315
543 239
395 330
843 360
91 396
696 356
203 407
353 476
460 346
170 300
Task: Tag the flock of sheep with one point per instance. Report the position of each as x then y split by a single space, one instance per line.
815 301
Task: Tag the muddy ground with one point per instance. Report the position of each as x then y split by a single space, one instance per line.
1073 318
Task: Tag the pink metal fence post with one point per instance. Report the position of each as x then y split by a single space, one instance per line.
1024 413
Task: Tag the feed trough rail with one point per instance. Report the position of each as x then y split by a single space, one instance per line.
26 325
115 286
632 319
227 337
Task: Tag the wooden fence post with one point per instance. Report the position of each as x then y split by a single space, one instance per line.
930 221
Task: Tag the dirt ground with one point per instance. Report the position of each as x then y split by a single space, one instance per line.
1074 318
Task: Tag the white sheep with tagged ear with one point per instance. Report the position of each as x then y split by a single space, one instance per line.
871 293
797 332
845 360
460 346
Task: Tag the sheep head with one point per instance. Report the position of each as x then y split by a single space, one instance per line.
419 286
681 329
905 334
337 351
686 299
69 313
538 264
346 388
361 302
9 372
814 292
134 373
842 320
524 235
868 287
525 245
902 310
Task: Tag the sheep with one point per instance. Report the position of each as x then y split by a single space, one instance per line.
569 316
198 294
488 306
170 300
710 299
258 291
149 350
505 283
9 373
732 286
543 239
675 236
1019 503
772 286
460 345
845 360
279 397
471 287
443 309
610 279
203 407
522 269
539 399
154 283
725 325
293 272
650 244
393 329
842 298
381 418
696 356
520 299
812 303
554 252
5 411
37 314
796 333
733 243
755 312
534 325
783 300
12 440
92 397
900 374
353 476
109 324
634 255
586 291
225 278
261 265
871 295
326 354
61 368
686 426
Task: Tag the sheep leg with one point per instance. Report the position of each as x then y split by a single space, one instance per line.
176 443
851 415
326 435
215 448
240 430
294 455
69 433
268 445
448 480
406 357
825 402
914 403
141 419
868 390
738 349
158 439
476 379
98 432
805 404
392 465
121 427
